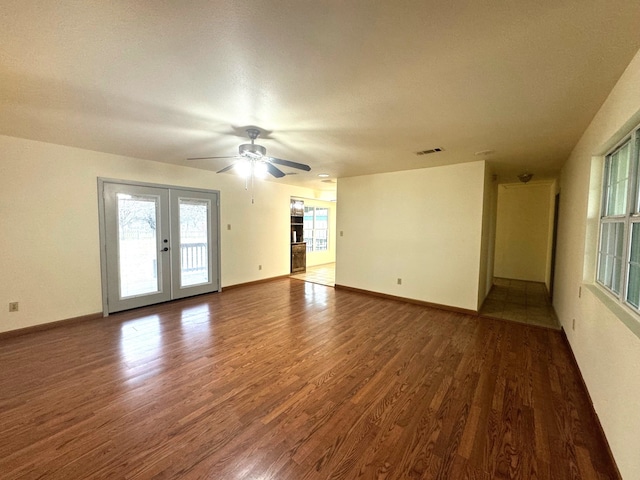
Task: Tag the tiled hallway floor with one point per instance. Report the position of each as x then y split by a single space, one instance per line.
322 274
520 301
515 300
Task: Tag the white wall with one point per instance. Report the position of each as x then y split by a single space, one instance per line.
606 349
423 226
50 260
523 232
487 251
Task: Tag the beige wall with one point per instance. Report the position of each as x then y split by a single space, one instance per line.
606 349
423 226
523 231
487 251
50 241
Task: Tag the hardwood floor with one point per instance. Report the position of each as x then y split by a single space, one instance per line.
294 380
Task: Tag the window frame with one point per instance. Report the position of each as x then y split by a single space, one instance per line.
311 245
628 218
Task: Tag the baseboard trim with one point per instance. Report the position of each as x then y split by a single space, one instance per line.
255 282
51 325
422 303
593 410
95 316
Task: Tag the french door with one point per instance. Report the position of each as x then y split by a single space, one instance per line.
160 243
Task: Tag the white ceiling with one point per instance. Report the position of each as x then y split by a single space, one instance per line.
348 87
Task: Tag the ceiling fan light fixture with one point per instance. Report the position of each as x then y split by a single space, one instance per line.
251 154
260 169
252 150
243 167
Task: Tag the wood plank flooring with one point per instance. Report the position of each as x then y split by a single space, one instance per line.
294 380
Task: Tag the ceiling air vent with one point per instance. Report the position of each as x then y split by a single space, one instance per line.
427 152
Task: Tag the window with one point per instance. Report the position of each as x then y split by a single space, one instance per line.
316 228
619 243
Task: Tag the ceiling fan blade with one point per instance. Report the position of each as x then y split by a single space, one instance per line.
227 168
288 163
210 158
273 170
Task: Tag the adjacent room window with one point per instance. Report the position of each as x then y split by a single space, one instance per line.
316 228
619 244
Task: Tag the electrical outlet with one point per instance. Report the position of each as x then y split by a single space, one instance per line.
399 281
13 307
259 267
573 324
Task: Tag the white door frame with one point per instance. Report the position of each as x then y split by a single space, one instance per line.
215 221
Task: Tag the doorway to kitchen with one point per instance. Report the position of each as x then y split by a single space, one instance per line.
313 240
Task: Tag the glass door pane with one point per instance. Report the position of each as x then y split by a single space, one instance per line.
194 238
137 253
137 241
194 241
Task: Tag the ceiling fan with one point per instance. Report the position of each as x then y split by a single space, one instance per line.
255 160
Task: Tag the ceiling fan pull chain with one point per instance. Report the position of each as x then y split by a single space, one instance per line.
252 187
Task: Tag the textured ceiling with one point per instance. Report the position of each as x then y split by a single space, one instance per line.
348 87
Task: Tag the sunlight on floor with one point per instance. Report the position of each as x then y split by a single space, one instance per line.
322 274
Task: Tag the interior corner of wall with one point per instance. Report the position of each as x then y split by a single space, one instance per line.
592 223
